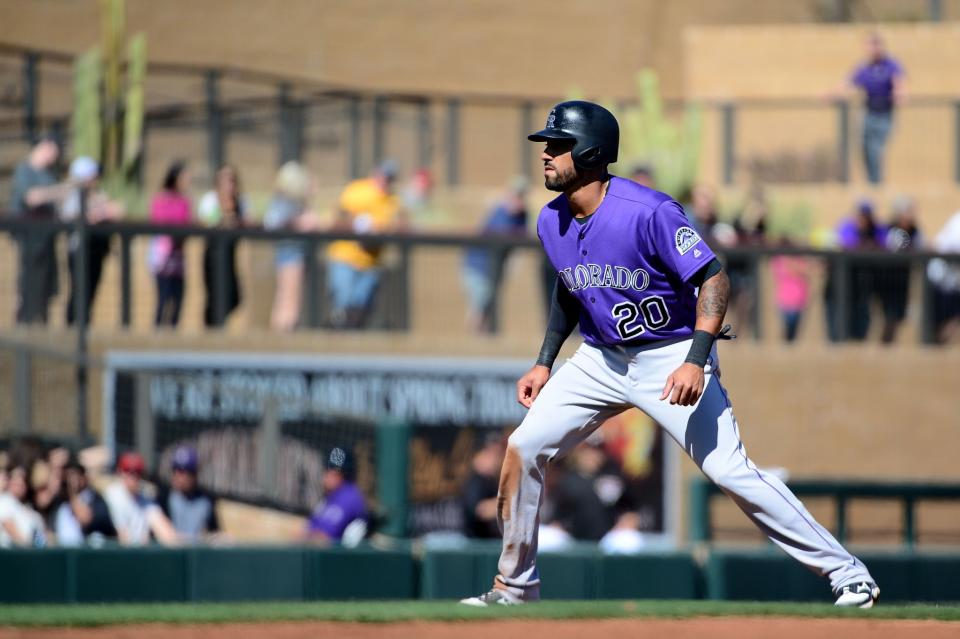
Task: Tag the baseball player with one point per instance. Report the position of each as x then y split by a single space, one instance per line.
650 298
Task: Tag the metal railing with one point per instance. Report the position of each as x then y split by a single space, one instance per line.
842 492
44 391
838 149
286 108
218 238
297 115
850 283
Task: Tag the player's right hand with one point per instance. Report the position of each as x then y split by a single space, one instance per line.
528 386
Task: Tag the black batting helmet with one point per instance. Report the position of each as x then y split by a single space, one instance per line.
594 129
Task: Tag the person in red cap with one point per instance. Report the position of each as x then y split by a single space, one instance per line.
136 516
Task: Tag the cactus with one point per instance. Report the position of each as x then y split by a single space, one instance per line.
133 113
106 124
85 129
791 220
648 136
112 28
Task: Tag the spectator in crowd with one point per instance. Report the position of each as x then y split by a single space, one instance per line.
416 196
587 494
880 79
791 280
857 232
135 516
480 490
27 451
223 207
20 524
366 206
552 536
702 212
341 517
483 267
192 510
85 182
48 479
893 282
289 210
644 175
751 223
625 537
83 514
749 229
861 230
944 275
171 206
35 195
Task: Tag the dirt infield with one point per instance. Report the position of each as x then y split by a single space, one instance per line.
716 628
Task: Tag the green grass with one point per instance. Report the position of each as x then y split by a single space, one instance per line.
388 611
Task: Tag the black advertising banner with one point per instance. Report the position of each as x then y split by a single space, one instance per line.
224 405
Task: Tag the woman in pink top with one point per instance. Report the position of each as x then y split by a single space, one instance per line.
791 276
170 206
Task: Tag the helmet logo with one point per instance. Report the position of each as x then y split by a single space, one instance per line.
551 119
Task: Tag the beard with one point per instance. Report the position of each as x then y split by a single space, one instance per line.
560 182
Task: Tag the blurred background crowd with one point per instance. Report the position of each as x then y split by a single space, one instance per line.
375 205
297 201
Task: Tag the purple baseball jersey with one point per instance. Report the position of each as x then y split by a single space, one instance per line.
342 506
628 265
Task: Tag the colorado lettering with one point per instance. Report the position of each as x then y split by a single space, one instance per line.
583 276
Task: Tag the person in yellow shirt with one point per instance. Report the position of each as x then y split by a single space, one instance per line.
367 205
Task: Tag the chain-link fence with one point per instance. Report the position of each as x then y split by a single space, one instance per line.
40 390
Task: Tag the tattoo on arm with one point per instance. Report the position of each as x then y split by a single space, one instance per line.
713 297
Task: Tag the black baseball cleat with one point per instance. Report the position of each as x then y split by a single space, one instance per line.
858 595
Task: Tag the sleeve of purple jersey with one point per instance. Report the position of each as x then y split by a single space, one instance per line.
331 521
676 242
857 77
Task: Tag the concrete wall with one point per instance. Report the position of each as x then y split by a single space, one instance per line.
774 51
533 48
806 62
788 61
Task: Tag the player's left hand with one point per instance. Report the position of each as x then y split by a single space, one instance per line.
685 385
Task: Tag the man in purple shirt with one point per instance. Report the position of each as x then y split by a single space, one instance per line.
650 298
344 503
880 79
857 232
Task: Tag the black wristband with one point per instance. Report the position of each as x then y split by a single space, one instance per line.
700 348
552 342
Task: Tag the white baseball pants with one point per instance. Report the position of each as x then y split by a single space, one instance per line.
597 383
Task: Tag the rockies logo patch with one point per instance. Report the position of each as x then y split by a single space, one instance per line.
686 239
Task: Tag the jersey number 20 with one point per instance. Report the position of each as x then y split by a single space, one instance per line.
654 312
